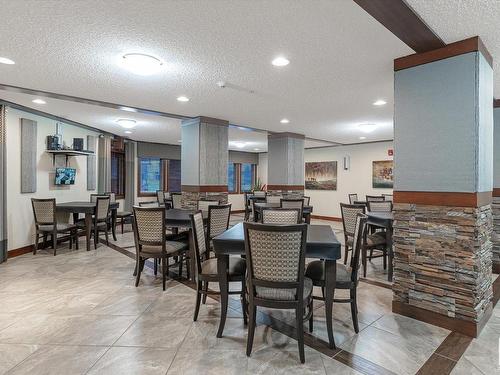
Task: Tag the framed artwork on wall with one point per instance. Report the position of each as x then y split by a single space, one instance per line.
382 174
321 175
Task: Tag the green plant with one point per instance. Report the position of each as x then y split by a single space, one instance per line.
258 185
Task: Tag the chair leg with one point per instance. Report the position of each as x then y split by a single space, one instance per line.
37 239
371 254
363 260
311 319
76 239
244 301
354 309
346 253
54 242
123 219
70 241
385 258
180 259
299 313
164 264
155 266
251 328
45 240
140 264
168 267
198 300
96 238
106 234
205 289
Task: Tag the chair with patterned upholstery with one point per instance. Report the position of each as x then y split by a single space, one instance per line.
160 197
293 203
388 197
385 206
101 218
176 200
206 269
122 216
149 204
374 198
218 221
307 200
260 193
151 241
281 216
349 213
347 276
44 211
273 198
275 257
353 198
203 205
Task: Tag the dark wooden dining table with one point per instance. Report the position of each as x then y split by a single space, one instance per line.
88 209
383 220
180 218
306 212
321 244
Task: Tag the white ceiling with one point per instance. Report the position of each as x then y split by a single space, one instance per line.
341 59
460 19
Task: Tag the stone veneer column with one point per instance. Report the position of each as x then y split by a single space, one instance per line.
285 171
495 238
204 155
443 141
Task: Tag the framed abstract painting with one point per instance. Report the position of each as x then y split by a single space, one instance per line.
321 175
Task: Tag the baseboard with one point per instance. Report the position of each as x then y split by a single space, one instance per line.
465 327
20 251
329 218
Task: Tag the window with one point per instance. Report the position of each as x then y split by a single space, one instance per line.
118 174
241 177
159 174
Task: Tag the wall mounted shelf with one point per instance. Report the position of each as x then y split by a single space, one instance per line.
67 153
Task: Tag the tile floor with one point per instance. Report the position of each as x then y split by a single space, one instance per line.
79 313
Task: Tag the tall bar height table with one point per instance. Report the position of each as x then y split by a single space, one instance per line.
87 208
321 244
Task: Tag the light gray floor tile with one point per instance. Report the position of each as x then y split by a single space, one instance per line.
13 354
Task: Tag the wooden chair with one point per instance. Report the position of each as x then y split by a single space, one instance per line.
248 208
260 193
151 241
281 216
374 198
206 269
160 197
122 216
275 257
273 198
349 213
176 200
388 197
353 198
307 200
149 204
101 218
347 276
293 203
44 211
385 206
203 205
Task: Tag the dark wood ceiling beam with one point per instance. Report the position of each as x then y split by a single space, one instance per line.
402 21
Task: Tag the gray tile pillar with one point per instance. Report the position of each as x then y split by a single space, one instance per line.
443 141
285 171
204 156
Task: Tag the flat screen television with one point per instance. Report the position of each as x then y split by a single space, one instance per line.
65 176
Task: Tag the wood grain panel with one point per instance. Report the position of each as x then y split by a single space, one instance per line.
496 192
454 49
285 187
327 218
20 251
204 188
443 198
496 103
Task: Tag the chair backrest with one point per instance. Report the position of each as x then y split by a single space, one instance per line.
358 238
218 219
387 197
149 204
168 203
102 208
375 198
273 198
112 196
176 200
260 193
349 214
353 198
203 205
307 200
275 257
93 197
281 216
149 227
44 211
293 203
200 239
160 197
385 206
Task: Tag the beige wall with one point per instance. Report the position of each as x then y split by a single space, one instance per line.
358 179
19 211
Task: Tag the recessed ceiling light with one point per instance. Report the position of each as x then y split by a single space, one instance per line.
367 128
362 138
5 60
128 109
284 121
183 99
379 102
126 123
128 132
39 101
141 64
280 61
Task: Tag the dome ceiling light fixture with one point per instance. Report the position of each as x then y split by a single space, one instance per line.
141 64
126 123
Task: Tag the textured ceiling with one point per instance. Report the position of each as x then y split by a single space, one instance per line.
455 20
341 59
